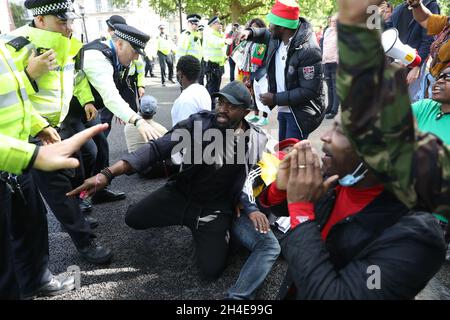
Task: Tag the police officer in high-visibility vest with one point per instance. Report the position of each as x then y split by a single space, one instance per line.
214 55
189 42
165 56
23 223
24 256
51 29
201 80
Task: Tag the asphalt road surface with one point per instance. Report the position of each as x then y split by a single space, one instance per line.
158 263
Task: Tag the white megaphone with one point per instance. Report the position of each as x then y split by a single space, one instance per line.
395 48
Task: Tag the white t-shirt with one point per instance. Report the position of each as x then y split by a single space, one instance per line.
280 66
193 99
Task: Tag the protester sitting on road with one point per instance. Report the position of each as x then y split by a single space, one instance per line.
377 118
354 241
252 228
203 195
135 140
147 110
194 97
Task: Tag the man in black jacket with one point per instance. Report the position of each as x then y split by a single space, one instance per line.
293 64
216 159
356 241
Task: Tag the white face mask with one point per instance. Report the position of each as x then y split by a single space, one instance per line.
352 179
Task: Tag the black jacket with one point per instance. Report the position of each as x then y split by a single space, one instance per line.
303 74
408 248
162 149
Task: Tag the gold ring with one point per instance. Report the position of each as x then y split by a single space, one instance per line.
302 166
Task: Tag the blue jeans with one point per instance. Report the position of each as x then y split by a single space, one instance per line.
288 127
264 252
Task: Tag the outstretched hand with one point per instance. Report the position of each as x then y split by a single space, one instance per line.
59 155
90 186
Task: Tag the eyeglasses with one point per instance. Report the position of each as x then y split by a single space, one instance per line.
226 104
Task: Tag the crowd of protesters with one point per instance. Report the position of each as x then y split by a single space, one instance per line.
378 199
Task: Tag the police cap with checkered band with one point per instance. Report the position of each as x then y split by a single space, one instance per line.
63 9
136 38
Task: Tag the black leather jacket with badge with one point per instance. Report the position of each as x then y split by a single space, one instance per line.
303 74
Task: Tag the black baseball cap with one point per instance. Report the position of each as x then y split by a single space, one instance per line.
237 94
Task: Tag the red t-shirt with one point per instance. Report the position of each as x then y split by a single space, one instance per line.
349 201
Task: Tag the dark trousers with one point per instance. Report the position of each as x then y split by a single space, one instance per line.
148 66
54 186
232 68
163 60
9 287
95 152
201 77
330 70
288 127
214 74
168 206
28 236
106 116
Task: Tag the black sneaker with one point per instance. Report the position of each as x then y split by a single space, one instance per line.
95 253
53 288
107 195
171 81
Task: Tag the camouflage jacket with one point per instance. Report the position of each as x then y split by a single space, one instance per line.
377 117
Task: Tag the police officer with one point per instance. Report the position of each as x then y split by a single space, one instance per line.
164 50
51 30
189 43
106 65
214 55
24 257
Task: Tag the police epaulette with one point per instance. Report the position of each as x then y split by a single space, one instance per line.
18 43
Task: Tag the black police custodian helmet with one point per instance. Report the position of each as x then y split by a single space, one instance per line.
136 38
115 19
63 9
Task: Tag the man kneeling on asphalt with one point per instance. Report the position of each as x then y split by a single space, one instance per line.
219 149
356 241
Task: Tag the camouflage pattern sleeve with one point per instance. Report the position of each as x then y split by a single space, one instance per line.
377 118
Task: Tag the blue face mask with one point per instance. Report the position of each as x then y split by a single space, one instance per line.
352 179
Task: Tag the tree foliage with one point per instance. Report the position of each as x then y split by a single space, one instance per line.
243 10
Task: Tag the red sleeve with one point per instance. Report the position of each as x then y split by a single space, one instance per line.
272 196
301 212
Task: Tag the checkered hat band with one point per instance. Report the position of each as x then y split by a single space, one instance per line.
129 38
53 8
